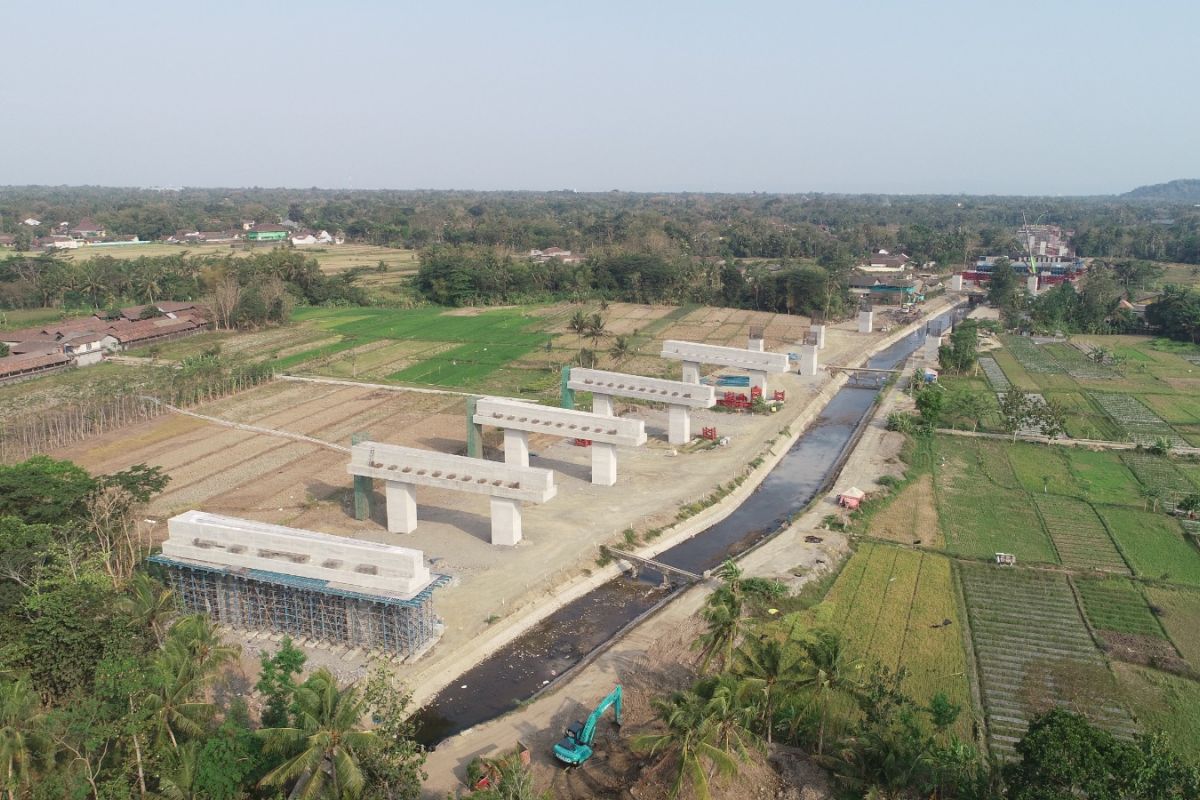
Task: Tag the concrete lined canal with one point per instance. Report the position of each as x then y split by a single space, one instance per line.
527 664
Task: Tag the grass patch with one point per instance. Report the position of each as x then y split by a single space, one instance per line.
1179 613
1154 544
1116 604
1164 702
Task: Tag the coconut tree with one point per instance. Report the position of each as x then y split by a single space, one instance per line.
20 741
596 328
194 639
620 349
724 612
150 605
578 324
691 743
174 700
767 665
324 748
830 673
178 780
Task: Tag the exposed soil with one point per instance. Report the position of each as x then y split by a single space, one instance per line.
1149 651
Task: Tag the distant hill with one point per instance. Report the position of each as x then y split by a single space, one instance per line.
1186 190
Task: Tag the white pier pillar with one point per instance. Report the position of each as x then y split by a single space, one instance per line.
819 330
401 506
679 429
956 282
932 345
1031 285
506 521
759 379
604 464
516 447
808 360
866 321
691 372
602 404
757 345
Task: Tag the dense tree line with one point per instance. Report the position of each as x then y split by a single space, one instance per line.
463 275
250 290
106 692
946 229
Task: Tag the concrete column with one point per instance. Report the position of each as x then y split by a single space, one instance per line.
516 447
604 464
956 282
932 345
1031 285
819 330
808 360
401 506
759 379
691 372
506 521
757 345
866 321
679 429
602 404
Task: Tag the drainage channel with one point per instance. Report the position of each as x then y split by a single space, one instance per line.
526 665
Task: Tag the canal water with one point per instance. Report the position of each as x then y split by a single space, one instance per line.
518 670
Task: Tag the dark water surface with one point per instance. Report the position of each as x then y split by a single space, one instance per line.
554 645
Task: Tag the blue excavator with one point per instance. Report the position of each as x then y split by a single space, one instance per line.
576 746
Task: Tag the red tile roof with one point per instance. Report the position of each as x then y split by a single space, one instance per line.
16 364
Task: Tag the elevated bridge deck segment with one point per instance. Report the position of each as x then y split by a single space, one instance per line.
679 397
693 354
404 468
518 419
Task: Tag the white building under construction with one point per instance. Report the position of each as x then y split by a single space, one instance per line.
334 589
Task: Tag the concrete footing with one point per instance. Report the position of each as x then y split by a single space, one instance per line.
866 321
808 360
401 506
679 430
604 464
506 521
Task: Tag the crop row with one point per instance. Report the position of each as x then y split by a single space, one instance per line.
1117 605
1020 621
1156 472
995 375
1079 535
1030 356
1138 422
1077 364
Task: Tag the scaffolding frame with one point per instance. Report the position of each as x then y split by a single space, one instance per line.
306 607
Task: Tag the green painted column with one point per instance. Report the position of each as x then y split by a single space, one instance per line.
568 394
364 486
474 432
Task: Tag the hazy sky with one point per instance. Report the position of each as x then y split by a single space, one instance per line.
1004 96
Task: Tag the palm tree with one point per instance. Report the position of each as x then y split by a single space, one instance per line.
767 665
325 747
20 741
195 639
596 329
692 739
178 780
150 605
578 324
586 358
176 683
724 610
620 349
514 781
830 673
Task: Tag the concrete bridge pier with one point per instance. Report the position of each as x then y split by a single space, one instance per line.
506 521
602 404
401 506
516 447
808 360
758 380
866 321
691 372
604 464
679 428
818 333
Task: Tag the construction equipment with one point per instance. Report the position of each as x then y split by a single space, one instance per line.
576 746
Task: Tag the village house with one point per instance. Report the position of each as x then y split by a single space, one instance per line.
6 240
31 222
21 367
267 233
87 229
565 256
884 289
884 262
